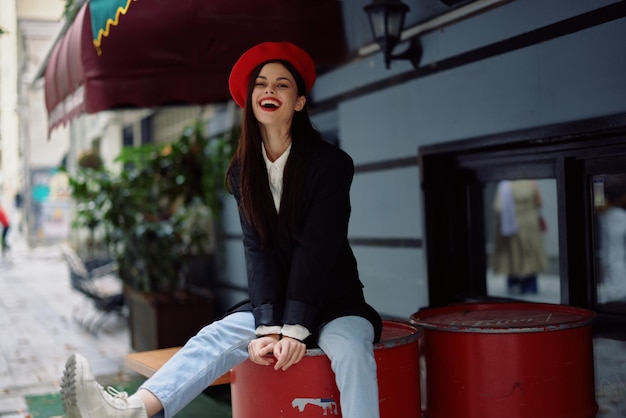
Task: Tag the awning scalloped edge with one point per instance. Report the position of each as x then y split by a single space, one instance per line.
102 33
65 110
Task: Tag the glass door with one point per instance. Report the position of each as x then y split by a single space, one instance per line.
609 241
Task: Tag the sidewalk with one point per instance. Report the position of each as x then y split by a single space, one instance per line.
37 332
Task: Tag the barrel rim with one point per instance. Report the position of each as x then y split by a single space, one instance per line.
389 343
420 318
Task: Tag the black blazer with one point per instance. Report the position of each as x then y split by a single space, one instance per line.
317 279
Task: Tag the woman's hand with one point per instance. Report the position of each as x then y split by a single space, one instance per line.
288 351
260 348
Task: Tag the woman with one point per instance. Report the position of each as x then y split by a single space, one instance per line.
292 190
519 251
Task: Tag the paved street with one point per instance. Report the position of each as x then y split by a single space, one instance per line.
37 332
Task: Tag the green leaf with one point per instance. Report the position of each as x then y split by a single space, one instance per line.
162 207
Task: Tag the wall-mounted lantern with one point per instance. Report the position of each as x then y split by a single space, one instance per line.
386 19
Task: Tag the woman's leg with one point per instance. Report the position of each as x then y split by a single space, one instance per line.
514 285
4 243
216 349
348 342
529 284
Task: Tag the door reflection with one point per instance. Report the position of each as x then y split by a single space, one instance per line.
522 240
609 194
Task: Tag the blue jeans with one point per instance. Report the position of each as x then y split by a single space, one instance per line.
3 241
222 345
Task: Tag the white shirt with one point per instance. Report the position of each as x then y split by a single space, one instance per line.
275 172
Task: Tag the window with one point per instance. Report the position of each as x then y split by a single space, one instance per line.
574 169
127 136
147 136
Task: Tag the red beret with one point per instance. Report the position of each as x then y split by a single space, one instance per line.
268 51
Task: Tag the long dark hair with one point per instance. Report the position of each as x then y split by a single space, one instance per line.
256 201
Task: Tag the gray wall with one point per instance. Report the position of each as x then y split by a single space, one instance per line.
573 77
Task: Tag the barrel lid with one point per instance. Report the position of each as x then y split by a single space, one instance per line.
395 333
503 317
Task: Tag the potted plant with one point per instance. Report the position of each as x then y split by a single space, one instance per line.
158 218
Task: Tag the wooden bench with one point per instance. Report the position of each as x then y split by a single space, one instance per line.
146 363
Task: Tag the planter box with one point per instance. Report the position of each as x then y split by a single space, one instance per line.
166 320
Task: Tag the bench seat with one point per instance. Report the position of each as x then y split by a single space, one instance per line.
146 363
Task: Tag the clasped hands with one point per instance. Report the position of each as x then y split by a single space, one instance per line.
270 349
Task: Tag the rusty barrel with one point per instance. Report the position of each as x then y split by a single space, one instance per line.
308 389
513 360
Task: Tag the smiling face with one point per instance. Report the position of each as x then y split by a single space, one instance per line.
275 96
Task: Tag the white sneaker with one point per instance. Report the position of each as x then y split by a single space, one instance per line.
83 397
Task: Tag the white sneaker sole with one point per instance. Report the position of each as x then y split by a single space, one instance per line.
74 367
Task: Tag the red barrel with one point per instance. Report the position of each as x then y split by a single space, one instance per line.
308 389
513 360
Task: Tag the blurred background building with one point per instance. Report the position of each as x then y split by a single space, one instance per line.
30 186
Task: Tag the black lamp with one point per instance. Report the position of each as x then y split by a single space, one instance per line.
387 21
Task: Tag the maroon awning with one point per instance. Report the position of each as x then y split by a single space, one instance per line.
166 52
